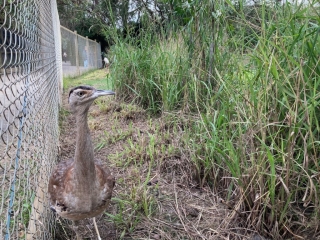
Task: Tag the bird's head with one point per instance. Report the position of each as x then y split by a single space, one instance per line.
81 98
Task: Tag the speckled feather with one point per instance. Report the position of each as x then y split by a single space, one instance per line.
61 186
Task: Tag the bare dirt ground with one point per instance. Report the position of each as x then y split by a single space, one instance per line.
155 196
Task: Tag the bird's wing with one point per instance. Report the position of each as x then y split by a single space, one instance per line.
106 182
57 180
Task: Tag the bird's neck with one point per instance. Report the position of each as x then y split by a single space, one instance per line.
84 159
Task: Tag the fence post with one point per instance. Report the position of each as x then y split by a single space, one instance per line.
77 52
87 51
95 55
98 49
58 48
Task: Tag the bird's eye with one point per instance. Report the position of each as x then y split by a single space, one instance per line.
80 94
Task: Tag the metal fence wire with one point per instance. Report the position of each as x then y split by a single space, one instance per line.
32 45
30 81
79 54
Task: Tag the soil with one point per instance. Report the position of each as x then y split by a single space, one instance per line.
155 196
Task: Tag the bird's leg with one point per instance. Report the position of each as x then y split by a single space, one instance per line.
76 229
96 227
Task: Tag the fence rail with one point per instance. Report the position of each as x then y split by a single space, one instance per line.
79 54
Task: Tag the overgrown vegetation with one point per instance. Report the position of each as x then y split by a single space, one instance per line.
236 87
250 81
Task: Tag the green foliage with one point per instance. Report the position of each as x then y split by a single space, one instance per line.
256 98
100 79
155 75
116 134
249 78
26 210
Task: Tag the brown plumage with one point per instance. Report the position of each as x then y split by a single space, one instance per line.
81 187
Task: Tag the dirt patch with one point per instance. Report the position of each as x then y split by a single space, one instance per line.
155 196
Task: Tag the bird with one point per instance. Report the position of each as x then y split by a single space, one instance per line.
106 62
81 187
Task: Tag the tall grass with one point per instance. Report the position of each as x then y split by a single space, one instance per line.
255 137
154 74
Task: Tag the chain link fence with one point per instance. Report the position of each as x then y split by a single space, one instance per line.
79 54
30 85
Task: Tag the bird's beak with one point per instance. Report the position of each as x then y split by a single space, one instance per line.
99 93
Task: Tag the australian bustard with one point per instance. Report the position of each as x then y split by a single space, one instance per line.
81 187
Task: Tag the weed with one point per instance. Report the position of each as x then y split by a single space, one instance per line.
239 98
63 113
132 206
116 135
250 94
26 210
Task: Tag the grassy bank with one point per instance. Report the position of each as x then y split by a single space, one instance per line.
246 100
97 78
